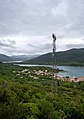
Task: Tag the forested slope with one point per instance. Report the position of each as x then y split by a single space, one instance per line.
26 95
70 57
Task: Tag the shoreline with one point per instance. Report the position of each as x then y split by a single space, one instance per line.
71 79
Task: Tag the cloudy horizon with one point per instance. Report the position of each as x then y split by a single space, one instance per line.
26 26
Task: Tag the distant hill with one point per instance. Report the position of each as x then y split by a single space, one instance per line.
22 57
4 58
69 57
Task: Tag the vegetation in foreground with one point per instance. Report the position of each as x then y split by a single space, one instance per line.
27 94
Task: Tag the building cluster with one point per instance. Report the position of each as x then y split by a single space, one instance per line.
71 79
32 73
35 73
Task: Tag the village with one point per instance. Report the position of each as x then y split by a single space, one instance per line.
35 73
71 79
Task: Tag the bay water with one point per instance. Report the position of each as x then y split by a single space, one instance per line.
70 71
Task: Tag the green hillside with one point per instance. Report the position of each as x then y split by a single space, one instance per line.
25 94
69 57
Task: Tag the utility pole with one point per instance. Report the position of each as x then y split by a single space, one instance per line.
54 77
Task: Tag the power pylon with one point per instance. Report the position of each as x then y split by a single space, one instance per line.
54 73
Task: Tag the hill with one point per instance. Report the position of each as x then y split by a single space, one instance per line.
22 57
69 57
26 93
4 58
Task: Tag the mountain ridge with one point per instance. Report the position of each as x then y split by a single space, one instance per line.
69 57
74 57
22 57
4 58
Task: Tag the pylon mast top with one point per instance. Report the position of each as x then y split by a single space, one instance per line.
54 50
54 37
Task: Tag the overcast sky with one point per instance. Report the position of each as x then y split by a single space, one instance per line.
26 26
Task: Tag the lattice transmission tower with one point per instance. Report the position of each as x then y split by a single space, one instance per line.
54 67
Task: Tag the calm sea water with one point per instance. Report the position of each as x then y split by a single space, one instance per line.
71 71
68 70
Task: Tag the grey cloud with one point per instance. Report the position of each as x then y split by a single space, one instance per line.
75 46
40 17
19 51
46 47
7 43
82 39
75 18
26 16
41 47
15 50
31 45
